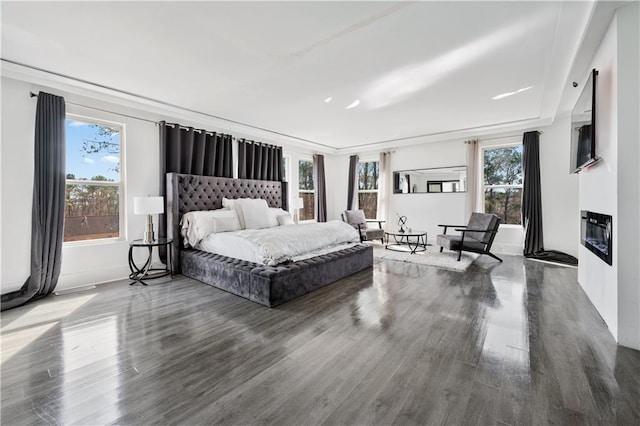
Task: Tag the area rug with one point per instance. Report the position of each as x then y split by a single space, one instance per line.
432 257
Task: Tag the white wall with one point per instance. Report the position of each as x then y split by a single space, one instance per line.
612 186
598 184
628 245
560 213
87 262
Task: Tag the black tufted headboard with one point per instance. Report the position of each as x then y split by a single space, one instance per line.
186 193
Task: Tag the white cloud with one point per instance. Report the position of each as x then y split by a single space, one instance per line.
86 160
74 123
110 159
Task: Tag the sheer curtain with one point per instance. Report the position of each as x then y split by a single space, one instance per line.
384 186
474 178
321 189
352 184
47 212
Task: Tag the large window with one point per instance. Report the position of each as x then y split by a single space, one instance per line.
368 180
306 189
93 204
503 183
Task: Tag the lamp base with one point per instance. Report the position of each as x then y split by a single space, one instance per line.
149 236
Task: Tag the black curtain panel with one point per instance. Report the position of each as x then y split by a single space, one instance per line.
47 211
352 189
191 151
259 161
321 188
531 194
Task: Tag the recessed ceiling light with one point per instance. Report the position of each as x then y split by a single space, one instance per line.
506 95
329 99
353 104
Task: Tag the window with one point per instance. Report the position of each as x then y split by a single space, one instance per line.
368 180
93 202
503 183
285 168
306 189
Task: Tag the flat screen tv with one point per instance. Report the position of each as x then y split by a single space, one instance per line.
583 127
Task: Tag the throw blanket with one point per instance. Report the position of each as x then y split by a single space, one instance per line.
279 244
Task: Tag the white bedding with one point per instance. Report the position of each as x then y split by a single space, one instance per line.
279 244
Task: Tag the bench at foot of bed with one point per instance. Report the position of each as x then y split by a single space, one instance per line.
273 285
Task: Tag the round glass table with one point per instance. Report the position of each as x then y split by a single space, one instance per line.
407 240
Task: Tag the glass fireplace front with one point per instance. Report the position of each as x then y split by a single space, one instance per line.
596 234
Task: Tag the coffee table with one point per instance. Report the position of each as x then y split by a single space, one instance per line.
414 239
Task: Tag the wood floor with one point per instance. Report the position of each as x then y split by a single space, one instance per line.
515 343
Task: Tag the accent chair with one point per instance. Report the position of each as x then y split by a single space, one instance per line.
477 236
357 219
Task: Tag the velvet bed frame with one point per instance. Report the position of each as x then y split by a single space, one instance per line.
267 285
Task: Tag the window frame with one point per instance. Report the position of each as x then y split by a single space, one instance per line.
122 230
369 191
513 143
307 191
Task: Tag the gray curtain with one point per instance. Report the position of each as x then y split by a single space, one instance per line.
259 161
321 189
531 194
47 212
352 184
191 151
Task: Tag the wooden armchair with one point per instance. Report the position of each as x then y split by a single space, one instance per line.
357 219
477 236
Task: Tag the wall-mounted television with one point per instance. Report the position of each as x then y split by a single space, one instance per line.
583 127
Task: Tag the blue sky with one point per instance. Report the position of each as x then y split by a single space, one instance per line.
84 165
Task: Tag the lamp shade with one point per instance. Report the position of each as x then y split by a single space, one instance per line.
297 203
148 205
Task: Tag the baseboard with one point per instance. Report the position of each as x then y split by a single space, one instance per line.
510 249
77 280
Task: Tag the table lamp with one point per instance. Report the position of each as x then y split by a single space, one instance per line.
148 206
297 204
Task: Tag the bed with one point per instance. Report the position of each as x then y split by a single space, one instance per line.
263 284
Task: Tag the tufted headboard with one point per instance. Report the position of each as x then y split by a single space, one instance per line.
186 193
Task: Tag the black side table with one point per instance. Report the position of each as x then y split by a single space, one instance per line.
146 272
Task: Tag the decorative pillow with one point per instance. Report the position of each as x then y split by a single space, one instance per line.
285 219
226 224
228 203
197 225
255 213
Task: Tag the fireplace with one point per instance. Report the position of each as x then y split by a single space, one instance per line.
596 234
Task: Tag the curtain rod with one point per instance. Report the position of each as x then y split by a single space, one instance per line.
210 132
34 95
498 137
157 123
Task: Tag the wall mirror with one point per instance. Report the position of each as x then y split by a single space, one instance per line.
420 181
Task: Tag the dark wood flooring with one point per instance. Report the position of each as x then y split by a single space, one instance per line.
515 343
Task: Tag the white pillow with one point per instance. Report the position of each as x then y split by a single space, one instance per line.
255 213
198 224
226 224
228 203
285 219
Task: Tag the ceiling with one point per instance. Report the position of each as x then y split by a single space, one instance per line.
416 68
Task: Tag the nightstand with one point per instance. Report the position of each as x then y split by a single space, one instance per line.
146 272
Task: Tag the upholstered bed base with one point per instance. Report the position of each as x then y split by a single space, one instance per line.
273 285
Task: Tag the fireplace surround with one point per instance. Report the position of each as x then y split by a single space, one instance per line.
596 234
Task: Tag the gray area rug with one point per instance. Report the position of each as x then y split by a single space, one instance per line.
431 257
